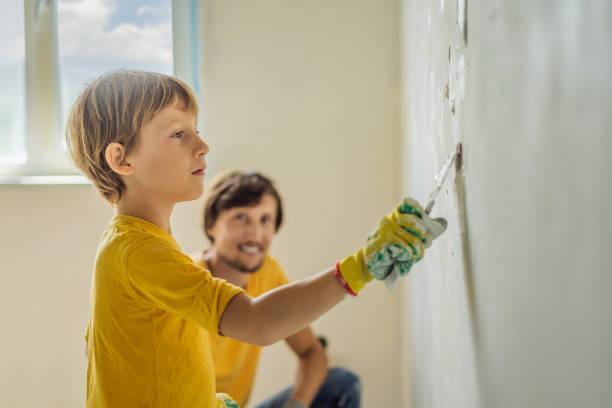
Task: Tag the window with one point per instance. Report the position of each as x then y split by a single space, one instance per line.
12 97
54 47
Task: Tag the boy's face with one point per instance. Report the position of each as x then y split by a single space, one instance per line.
243 234
169 159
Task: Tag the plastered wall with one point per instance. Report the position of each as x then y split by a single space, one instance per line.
511 307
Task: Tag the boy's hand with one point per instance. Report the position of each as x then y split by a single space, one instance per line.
391 250
225 401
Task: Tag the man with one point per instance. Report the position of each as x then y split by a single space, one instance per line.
242 213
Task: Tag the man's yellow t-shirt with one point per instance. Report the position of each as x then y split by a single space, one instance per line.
151 309
236 362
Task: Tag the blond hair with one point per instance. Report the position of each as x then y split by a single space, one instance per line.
114 108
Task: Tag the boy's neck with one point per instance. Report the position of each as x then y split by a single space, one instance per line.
221 269
158 214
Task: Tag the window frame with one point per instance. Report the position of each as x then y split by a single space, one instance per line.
47 162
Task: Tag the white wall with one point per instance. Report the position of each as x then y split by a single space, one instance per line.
307 92
511 307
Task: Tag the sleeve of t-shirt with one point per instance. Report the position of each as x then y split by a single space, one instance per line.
278 275
167 278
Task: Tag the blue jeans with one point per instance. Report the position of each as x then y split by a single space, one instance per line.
341 389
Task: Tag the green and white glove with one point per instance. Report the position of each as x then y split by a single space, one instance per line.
225 401
435 227
398 242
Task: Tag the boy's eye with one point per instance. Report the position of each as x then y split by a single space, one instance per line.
178 134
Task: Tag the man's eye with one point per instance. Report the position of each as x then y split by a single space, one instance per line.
177 135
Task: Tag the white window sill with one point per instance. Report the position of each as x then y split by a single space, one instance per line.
44 180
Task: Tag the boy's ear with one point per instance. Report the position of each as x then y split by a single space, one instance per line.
116 158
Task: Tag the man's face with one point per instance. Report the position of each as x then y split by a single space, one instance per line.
243 234
169 159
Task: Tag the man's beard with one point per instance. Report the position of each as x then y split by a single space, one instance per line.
236 264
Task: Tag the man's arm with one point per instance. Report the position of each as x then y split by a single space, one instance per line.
312 365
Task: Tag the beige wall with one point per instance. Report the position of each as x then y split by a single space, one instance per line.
47 244
307 92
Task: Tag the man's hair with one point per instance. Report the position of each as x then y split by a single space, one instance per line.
237 189
114 108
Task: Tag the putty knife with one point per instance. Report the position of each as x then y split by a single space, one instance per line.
436 225
440 177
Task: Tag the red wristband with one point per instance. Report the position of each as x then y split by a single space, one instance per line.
340 278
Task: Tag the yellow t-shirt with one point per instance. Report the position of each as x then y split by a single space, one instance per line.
236 362
151 308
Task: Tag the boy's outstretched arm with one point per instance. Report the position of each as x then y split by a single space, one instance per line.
281 312
398 242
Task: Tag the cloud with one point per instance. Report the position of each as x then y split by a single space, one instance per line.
84 33
149 10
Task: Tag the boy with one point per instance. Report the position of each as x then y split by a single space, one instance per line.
242 213
134 135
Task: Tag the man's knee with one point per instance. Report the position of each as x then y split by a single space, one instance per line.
342 375
345 380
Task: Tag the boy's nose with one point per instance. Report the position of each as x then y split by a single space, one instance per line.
203 148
